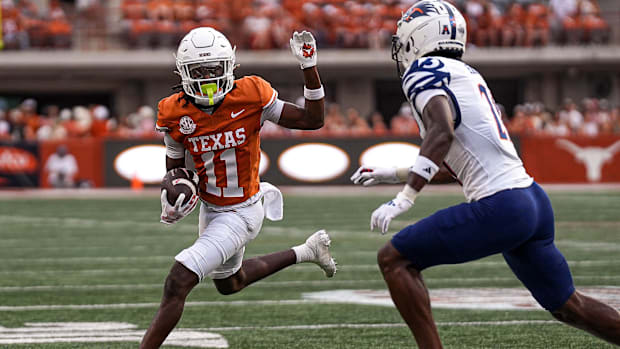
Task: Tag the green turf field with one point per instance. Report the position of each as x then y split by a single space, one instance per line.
108 258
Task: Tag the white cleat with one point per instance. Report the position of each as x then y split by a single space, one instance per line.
319 243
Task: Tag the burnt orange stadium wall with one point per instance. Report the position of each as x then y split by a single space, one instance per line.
88 154
572 159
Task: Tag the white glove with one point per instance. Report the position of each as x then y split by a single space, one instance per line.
303 46
382 216
171 214
371 175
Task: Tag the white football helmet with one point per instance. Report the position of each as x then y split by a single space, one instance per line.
206 60
428 26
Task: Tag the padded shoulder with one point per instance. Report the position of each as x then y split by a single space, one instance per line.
169 110
265 93
426 73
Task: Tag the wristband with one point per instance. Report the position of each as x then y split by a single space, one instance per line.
425 168
408 193
314 95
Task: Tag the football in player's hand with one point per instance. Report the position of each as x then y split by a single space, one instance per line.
180 181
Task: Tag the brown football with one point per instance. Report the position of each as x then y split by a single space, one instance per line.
180 181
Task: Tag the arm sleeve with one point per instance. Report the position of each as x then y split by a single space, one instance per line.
272 112
174 149
422 99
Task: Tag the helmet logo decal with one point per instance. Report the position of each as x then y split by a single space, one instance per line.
452 22
419 10
187 125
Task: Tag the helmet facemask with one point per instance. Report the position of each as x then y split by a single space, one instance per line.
207 79
399 51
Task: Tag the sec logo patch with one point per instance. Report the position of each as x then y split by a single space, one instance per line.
187 125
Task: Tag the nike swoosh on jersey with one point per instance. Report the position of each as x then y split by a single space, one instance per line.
234 115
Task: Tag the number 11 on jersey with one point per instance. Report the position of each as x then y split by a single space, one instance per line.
231 190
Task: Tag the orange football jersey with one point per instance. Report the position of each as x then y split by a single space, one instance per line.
225 145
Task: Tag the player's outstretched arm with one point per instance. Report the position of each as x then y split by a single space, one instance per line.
372 175
311 116
437 117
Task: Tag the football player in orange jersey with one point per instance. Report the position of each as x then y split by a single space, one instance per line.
217 119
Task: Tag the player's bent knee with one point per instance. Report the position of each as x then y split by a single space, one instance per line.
230 285
389 259
571 311
179 282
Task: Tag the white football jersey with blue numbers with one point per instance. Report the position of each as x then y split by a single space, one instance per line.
482 155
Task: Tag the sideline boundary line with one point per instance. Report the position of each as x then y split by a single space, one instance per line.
382 325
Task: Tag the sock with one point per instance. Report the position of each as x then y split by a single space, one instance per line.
303 253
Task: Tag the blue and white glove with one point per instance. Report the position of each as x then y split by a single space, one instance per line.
371 175
303 47
383 215
171 214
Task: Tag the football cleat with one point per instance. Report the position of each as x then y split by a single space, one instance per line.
319 243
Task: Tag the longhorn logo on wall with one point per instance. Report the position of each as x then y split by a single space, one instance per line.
593 158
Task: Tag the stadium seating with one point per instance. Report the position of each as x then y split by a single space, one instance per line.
31 122
268 24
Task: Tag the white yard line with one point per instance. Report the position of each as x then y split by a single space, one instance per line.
283 283
154 305
71 222
383 325
341 268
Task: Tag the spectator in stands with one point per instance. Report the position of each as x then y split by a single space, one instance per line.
99 127
61 168
561 11
13 31
31 121
604 117
487 26
615 120
536 25
571 116
47 121
556 127
517 123
378 125
334 121
257 28
533 120
586 25
5 126
59 29
595 29
404 123
357 125
512 32
34 24
165 29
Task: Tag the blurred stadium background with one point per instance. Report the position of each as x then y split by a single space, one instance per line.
79 85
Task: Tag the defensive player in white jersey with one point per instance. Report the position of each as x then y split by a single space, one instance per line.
506 211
